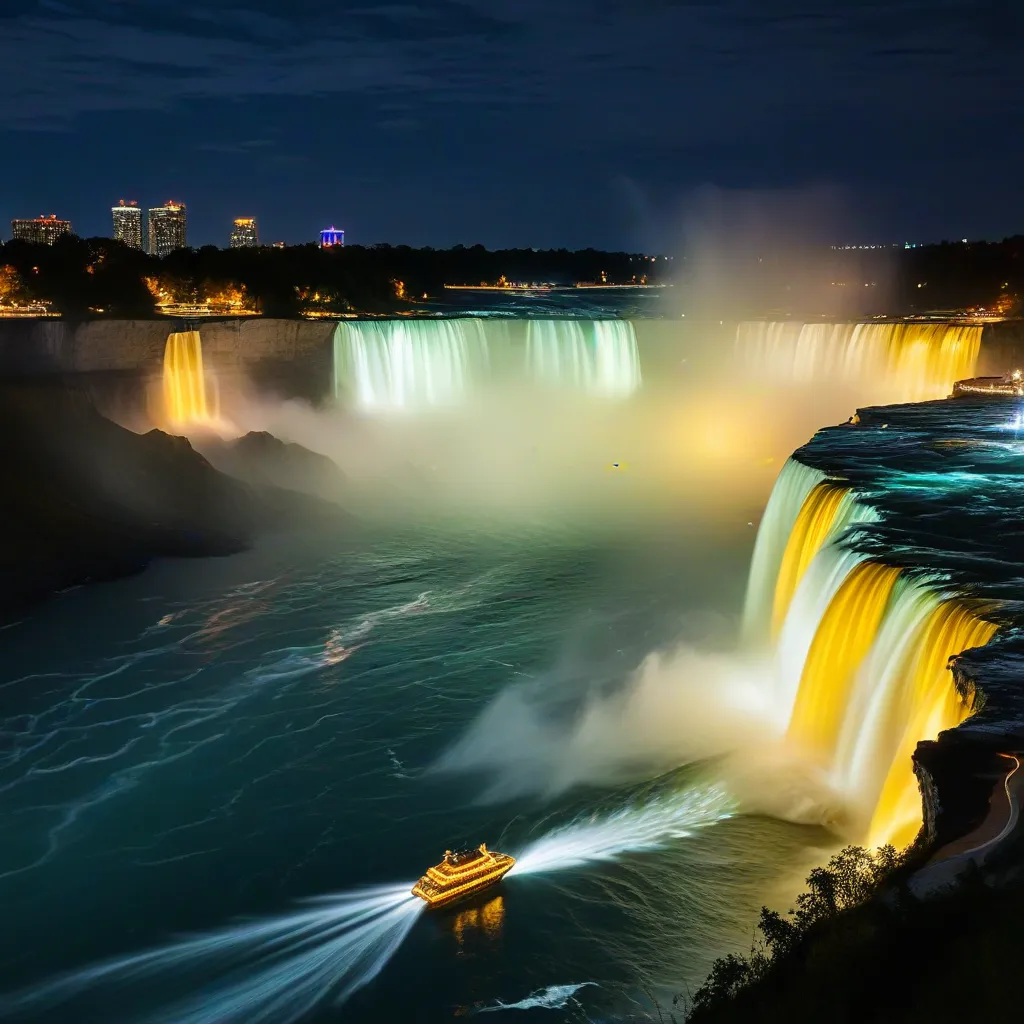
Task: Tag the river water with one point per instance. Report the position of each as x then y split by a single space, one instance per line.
197 749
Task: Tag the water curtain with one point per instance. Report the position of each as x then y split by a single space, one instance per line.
862 652
595 357
191 397
404 365
904 362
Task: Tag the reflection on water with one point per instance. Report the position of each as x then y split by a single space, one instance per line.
483 920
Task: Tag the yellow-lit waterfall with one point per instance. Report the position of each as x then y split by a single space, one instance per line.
861 653
899 362
826 509
191 397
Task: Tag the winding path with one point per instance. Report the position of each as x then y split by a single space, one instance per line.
1002 818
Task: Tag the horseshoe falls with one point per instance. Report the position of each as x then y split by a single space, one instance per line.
861 653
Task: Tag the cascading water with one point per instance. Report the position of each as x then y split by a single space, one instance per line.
841 642
899 362
596 357
191 394
793 485
919 706
862 654
404 365
827 510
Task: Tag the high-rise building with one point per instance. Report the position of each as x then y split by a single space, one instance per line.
41 229
331 236
128 223
167 228
243 234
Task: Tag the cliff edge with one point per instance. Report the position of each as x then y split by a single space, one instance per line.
84 499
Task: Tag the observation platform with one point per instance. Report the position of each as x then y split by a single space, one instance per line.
1010 386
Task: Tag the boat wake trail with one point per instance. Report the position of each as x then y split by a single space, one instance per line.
634 828
272 970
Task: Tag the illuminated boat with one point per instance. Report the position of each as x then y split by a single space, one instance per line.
461 874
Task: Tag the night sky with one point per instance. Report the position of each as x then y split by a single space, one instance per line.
512 122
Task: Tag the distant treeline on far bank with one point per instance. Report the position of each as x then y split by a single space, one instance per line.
79 277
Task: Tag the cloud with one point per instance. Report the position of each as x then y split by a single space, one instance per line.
697 73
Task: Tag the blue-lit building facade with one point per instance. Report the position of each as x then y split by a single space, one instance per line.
330 237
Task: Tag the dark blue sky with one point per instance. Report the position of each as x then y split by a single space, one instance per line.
512 122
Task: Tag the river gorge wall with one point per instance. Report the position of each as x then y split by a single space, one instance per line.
29 347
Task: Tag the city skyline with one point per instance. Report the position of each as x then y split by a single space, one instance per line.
244 233
168 228
127 221
127 227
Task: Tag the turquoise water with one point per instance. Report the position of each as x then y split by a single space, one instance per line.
212 741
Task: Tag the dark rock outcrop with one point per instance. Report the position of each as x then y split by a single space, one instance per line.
85 499
263 460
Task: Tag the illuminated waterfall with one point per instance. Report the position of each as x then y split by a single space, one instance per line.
900 362
792 487
191 397
841 643
917 706
823 512
861 652
596 357
393 365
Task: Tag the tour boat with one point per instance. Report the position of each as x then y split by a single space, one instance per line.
462 873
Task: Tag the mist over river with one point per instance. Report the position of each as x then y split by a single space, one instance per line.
220 779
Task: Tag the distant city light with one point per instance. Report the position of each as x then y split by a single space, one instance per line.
40 229
167 228
128 223
244 234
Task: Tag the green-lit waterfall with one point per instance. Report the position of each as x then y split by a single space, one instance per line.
416 364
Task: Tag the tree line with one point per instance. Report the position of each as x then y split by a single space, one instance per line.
101 276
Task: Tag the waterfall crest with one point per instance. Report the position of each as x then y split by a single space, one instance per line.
191 395
902 362
396 365
818 519
794 483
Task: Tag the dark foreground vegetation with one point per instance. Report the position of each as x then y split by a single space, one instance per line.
860 947
100 277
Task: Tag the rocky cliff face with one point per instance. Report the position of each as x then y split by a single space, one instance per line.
84 499
260 459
